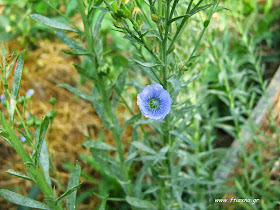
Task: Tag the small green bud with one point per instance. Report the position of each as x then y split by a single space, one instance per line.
5 104
154 18
206 23
21 100
30 122
53 101
37 122
52 114
117 24
136 26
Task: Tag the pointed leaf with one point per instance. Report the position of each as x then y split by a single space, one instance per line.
96 144
78 48
16 84
45 161
52 23
143 147
77 92
15 173
73 181
21 200
68 192
146 64
140 203
84 72
98 24
103 204
40 139
119 87
182 137
130 38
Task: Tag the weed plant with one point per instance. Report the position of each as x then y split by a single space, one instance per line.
209 69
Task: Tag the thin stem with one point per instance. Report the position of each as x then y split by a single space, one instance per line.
173 8
152 68
181 26
88 34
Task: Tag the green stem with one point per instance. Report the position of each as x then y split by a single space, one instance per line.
114 128
87 31
179 29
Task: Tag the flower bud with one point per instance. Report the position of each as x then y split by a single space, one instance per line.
53 101
154 18
29 93
21 100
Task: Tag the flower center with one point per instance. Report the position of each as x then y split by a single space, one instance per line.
153 103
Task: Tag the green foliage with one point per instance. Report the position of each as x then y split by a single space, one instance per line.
214 75
21 200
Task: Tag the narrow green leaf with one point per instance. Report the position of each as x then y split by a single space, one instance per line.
146 64
143 147
71 7
15 173
98 24
99 107
196 10
26 137
140 203
182 137
191 79
77 92
107 163
5 136
21 200
40 139
96 144
52 23
219 8
119 87
78 48
73 181
84 72
76 53
130 38
179 17
176 85
152 33
68 192
16 84
101 8
161 154
45 161
103 204
133 119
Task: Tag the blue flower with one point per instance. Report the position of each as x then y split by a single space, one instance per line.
23 139
154 102
29 93
2 98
